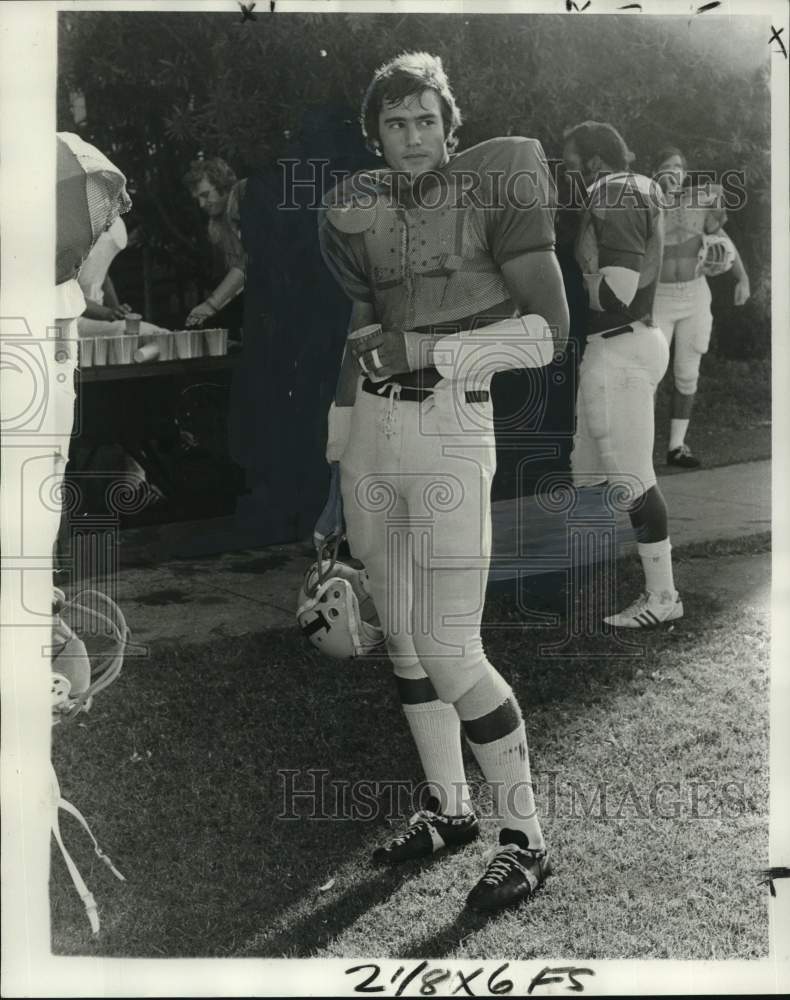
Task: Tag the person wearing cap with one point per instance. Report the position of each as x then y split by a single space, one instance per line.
90 196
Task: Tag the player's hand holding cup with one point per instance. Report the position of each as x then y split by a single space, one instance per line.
380 353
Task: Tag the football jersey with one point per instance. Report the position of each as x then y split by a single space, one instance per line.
624 212
93 272
690 214
436 260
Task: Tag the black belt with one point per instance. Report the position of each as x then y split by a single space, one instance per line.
412 395
423 378
613 333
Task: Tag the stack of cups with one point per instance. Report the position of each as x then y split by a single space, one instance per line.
121 349
183 344
100 350
86 351
216 342
166 342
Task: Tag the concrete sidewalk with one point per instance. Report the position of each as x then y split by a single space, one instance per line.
196 600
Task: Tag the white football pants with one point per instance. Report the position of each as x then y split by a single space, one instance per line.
682 311
416 482
615 427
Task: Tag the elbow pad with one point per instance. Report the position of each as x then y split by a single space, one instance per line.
338 431
612 289
474 356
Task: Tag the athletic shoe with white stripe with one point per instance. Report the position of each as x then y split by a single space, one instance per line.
682 456
514 872
428 832
648 610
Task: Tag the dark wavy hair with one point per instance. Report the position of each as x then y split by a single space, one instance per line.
407 74
215 170
601 138
666 153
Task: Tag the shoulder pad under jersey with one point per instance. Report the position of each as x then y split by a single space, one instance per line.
621 189
351 205
506 153
704 196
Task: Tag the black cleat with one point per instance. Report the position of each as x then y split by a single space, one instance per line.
683 458
428 832
514 872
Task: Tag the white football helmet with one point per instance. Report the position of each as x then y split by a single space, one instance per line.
716 255
78 675
336 612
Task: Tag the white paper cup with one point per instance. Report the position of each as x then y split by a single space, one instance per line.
132 321
216 342
100 348
196 343
368 332
166 343
184 341
86 352
121 349
147 352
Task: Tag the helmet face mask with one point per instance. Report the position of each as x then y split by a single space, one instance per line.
77 674
336 612
716 255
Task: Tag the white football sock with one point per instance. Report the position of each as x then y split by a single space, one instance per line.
505 765
677 432
436 729
657 564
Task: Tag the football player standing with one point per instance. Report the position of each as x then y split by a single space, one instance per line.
695 246
449 259
619 249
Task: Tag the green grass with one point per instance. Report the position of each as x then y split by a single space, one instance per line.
176 769
732 413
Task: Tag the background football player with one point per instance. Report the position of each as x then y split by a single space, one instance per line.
695 245
619 249
462 287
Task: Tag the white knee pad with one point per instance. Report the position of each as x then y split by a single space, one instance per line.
408 668
453 669
491 691
687 374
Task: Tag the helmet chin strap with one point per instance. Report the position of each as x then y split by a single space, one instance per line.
331 549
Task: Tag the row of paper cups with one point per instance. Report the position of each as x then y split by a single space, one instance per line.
165 345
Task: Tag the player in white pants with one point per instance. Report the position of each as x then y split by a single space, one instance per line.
682 305
619 250
443 275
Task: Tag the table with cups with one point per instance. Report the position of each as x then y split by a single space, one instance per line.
131 388
146 352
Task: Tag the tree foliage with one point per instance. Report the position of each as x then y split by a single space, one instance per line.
159 88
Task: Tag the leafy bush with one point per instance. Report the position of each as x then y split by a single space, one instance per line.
159 88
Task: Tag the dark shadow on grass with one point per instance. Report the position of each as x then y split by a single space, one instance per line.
450 937
313 932
178 769
194 826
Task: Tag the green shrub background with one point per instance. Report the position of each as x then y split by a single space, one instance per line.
158 88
